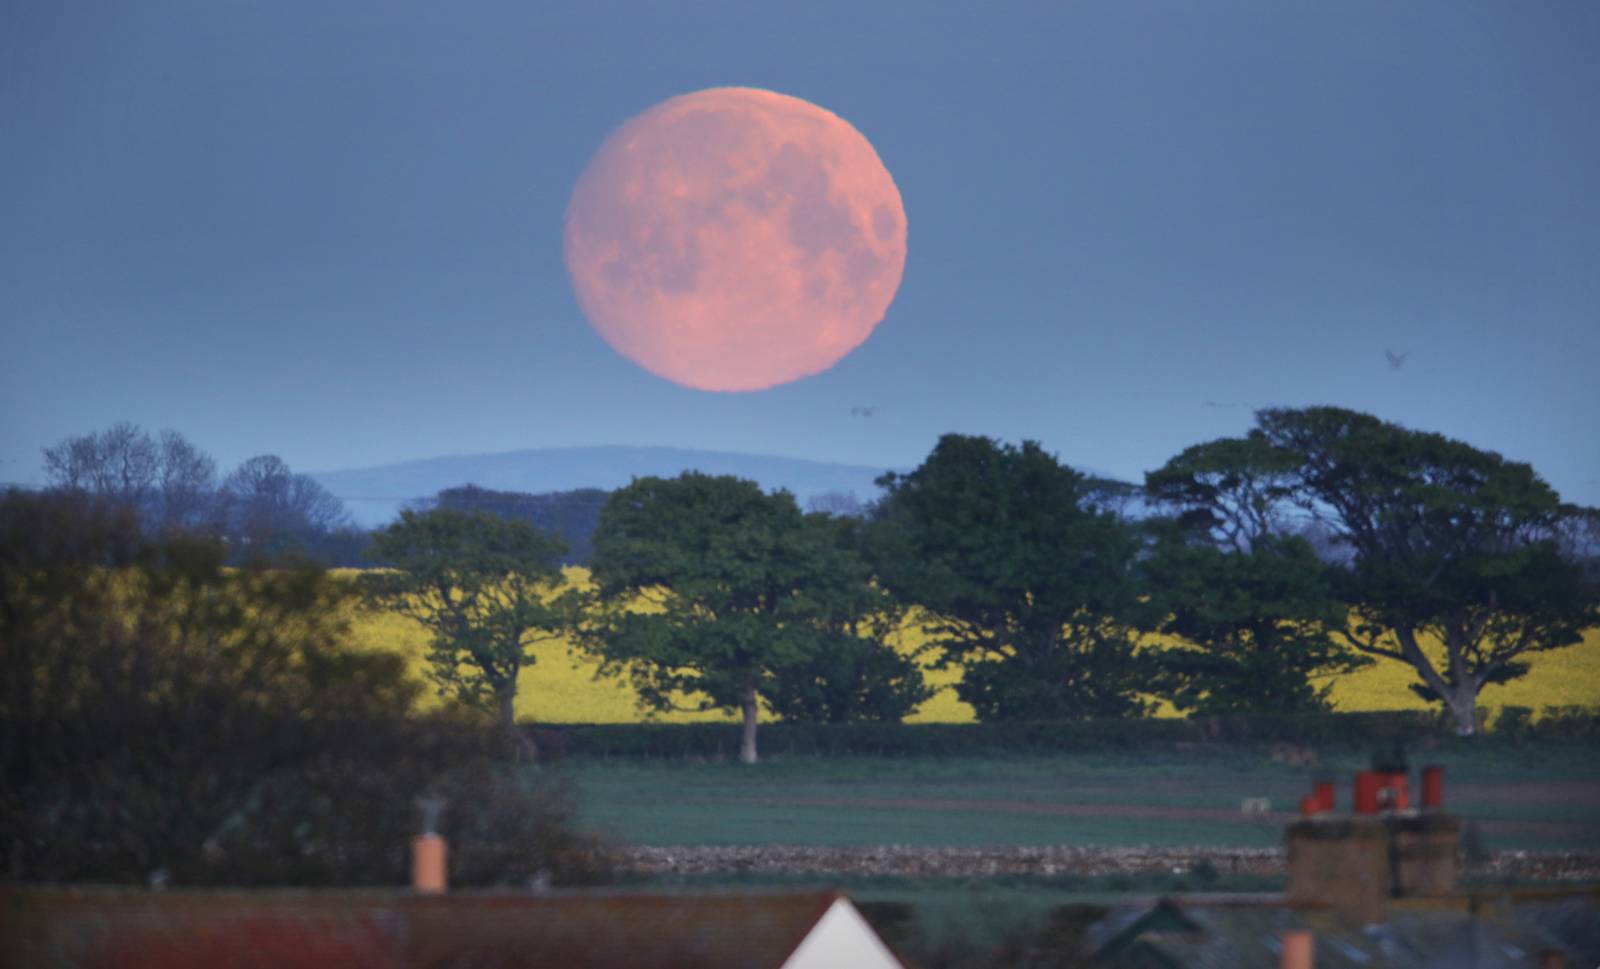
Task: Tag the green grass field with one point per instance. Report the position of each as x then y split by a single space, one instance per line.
1524 798
1521 797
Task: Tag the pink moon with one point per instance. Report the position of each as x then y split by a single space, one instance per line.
735 239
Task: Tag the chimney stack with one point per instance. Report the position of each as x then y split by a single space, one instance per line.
1383 850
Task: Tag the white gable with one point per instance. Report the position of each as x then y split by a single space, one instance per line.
842 939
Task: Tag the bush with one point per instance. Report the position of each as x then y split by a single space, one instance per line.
1514 721
1563 724
160 713
347 815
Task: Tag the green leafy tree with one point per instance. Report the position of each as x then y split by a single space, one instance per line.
851 672
1445 541
1253 606
1029 589
707 587
487 589
846 678
1256 627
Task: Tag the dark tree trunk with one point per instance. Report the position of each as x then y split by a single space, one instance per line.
522 746
1459 697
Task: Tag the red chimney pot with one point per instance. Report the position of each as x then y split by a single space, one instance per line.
1399 787
1433 786
1368 783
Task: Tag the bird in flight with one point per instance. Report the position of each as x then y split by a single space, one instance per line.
863 411
1396 360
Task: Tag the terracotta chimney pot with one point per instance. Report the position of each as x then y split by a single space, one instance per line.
1368 783
1433 786
428 862
1298 950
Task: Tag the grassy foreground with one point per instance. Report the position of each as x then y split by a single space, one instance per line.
564 686
1524 798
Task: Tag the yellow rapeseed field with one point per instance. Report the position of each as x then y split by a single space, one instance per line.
564 687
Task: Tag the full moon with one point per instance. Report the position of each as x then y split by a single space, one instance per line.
735 239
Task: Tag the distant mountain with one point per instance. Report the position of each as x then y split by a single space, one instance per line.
376 495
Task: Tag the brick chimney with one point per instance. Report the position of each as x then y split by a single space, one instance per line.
1356 863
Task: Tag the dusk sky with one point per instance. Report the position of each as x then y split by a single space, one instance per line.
334 231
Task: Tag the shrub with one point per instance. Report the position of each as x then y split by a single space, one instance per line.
160 713
1514 721
1568 723
347 815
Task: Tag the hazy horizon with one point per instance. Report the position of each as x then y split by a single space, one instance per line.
335 234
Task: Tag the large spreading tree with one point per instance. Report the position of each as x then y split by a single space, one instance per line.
486 589
1028 586
1251 603
712 593
1443 542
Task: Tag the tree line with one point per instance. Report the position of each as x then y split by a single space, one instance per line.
261 509
1320 541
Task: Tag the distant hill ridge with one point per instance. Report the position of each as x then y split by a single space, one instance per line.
375 495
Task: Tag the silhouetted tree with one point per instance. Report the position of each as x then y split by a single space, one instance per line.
1028 589
1446 541
119 463
1253 606
166 480
272 509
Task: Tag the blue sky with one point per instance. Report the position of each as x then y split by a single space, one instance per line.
333 231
